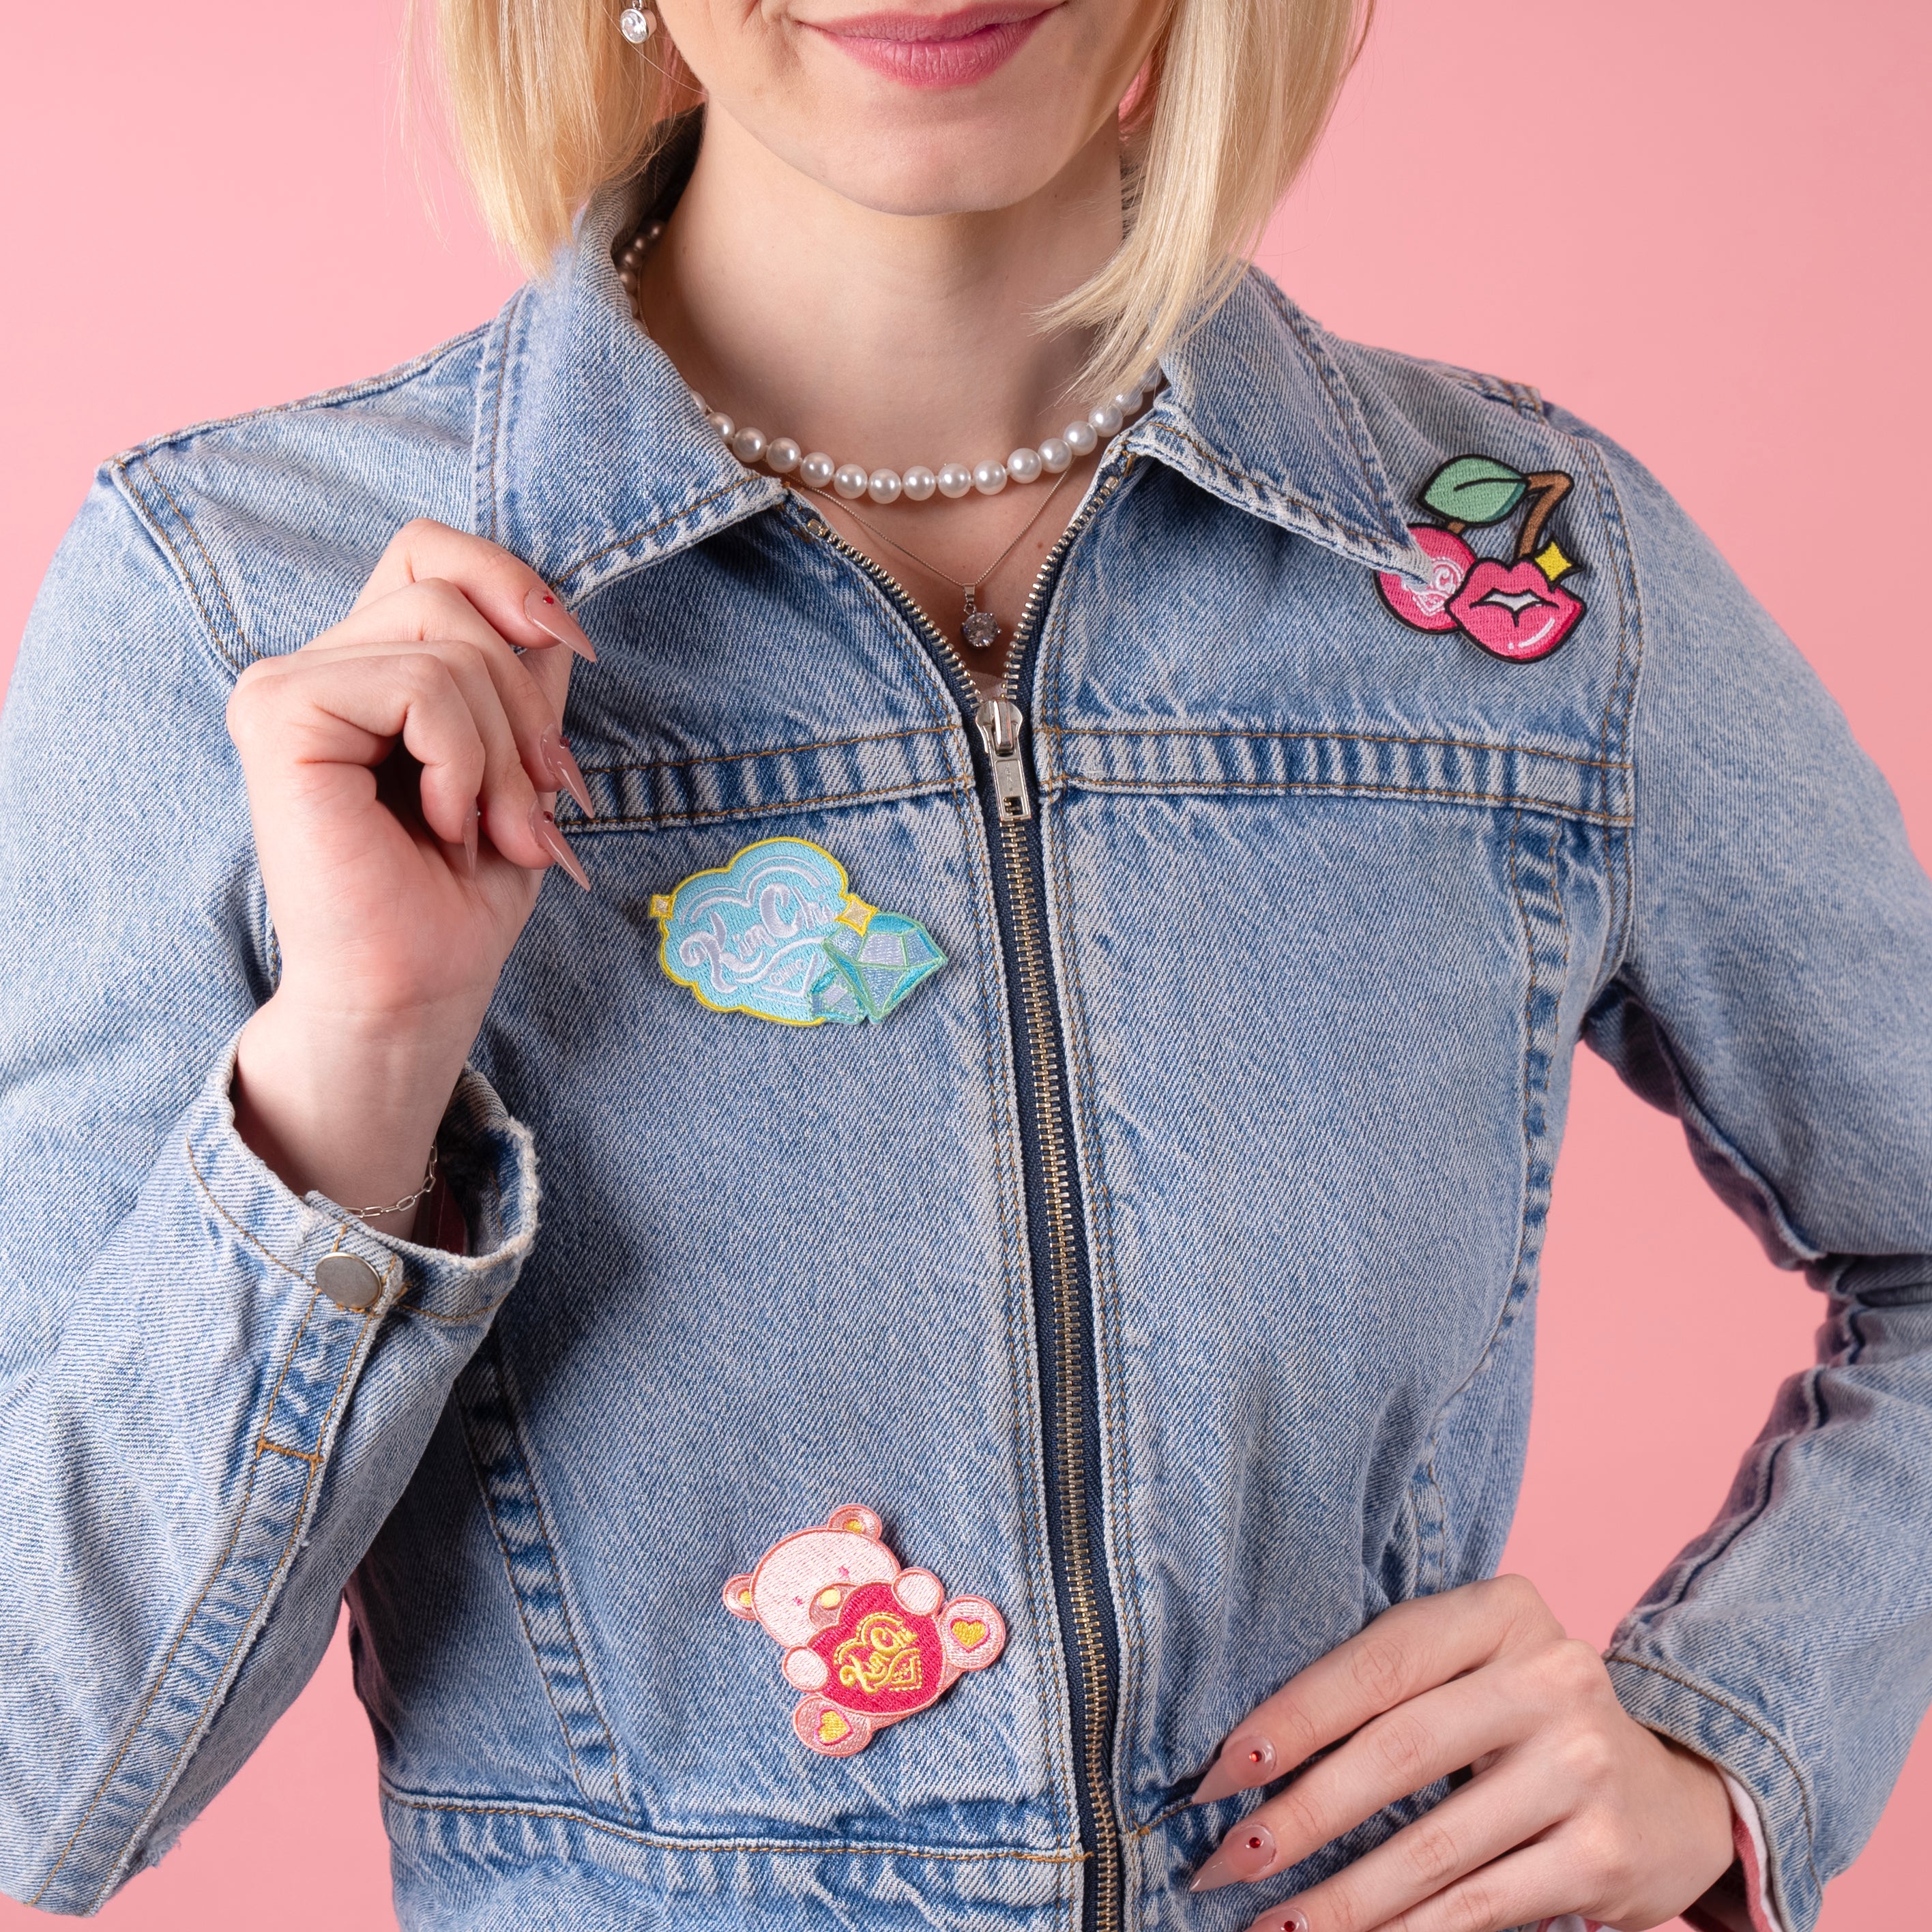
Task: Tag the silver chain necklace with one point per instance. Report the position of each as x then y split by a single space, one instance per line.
979 629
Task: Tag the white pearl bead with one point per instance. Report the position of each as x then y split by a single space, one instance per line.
918 482
850 481
1079 437
816 469
748 444
954 479
782 455
1125 400
722 423
884 486
1106 419
1150 381
1054 455
1024 465
703 407
989 478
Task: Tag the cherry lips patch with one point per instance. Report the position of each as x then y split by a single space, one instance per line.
867 1641
1520 611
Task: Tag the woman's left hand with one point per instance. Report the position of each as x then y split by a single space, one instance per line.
1573 1806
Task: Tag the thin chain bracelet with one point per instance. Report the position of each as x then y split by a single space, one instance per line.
407 1201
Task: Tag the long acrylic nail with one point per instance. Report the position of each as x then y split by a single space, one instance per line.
545 610
1248 1852
1246 1760
555 845
1281 1918
561 768
470 826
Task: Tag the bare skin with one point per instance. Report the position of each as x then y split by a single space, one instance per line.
857 263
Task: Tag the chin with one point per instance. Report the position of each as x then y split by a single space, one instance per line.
930 161
923 177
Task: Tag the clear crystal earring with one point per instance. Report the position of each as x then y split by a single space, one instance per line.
636 24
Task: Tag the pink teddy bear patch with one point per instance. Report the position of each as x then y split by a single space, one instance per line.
866 1642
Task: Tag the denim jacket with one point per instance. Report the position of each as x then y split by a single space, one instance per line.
1162 1271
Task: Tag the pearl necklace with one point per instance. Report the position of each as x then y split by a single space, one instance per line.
782 455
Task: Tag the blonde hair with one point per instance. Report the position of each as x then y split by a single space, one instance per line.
547 102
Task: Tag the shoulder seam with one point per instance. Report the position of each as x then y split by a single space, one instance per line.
122 479
323 399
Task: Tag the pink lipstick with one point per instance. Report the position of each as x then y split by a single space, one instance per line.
937 50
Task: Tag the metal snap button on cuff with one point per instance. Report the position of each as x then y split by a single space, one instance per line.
349 1281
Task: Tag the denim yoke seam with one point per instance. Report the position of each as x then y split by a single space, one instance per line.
1099 1201
911 788
504 1473
298 1519
665 1841
939 729
1165 732
1339 788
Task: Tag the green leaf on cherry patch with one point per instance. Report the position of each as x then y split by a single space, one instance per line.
1474 489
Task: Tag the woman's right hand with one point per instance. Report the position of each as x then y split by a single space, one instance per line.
401 771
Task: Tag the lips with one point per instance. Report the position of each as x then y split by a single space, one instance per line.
925 50
1514 610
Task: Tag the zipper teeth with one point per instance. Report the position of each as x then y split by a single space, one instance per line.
1030 943
1037 994
1036 997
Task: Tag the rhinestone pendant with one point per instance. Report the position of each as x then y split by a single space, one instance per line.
636 25
980 628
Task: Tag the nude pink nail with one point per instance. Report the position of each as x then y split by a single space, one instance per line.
1246 1760
553 842
471 825
1283 1919
561 769
1248 1852
545 610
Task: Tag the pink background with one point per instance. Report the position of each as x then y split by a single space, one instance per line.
1701 226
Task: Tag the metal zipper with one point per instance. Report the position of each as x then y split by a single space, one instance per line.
1079 1584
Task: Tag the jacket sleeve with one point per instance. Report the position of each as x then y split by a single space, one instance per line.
1775 992
195 1447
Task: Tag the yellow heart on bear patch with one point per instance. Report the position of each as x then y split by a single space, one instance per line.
832 1728
969 1632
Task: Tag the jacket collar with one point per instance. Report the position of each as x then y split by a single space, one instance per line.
591 459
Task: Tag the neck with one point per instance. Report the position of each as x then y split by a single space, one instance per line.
884 339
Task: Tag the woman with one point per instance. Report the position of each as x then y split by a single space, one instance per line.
1089 1337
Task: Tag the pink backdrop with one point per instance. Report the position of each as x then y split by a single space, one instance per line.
1702 227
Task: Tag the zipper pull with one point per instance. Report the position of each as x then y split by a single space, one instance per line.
1000 722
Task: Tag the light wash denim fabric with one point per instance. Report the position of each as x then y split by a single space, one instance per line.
1315 907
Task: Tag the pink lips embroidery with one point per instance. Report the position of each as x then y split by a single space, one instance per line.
1514 610
1518 611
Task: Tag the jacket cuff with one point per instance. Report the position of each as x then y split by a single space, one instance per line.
474 1248
1781 1890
